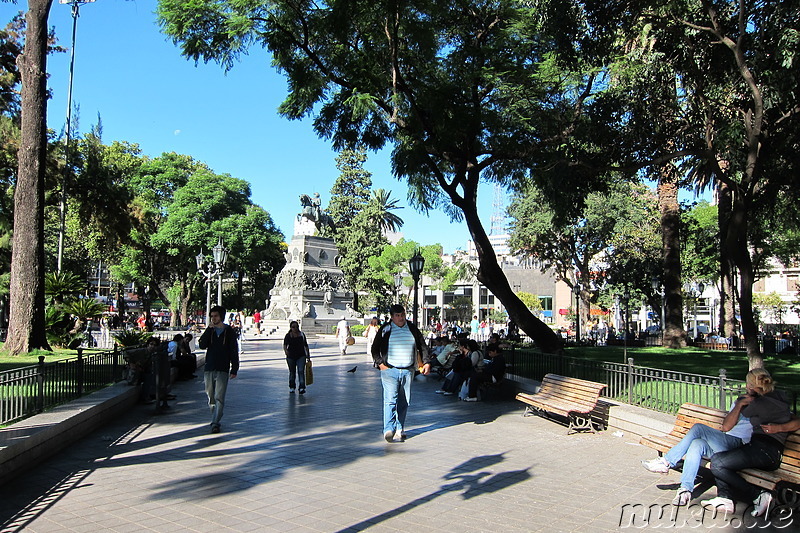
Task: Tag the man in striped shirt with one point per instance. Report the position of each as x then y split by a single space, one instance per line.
399 350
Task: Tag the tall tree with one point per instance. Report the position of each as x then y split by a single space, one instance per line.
26 324
465 91
737 66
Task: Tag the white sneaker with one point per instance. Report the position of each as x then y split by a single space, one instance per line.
762 503
448 393
720 504
659 465
682 497
470 399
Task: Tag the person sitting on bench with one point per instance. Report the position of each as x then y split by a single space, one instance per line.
770 417
702 441
492 372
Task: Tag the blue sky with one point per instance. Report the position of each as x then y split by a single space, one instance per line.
145 92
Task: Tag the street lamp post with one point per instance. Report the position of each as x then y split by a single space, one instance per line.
398 282
214 270
415 266
623 302
577 290
658 288
76 4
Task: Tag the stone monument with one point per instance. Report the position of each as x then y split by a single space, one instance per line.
311 287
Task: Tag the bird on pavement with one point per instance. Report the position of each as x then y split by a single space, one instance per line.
353 370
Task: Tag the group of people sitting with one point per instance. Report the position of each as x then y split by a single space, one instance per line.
752 436
151 367
465 366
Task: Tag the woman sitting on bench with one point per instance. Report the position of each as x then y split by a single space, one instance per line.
771 419
703 441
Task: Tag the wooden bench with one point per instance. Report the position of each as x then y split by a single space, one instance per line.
690 414
713 346
569 397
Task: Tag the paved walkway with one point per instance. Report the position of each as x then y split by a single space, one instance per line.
318 463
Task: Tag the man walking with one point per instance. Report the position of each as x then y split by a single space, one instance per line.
222 359
399 349
342 333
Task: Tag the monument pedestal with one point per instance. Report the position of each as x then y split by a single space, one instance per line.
311 287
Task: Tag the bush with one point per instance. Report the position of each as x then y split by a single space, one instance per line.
131 337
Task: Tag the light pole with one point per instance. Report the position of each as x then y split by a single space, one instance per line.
623 302
658 288
577 290
214 270
398 282
76 5
415 266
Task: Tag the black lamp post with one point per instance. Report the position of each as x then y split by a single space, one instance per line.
577 290
398 281
658 288
622 303
415 266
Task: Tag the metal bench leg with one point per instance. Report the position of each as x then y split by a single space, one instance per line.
579 422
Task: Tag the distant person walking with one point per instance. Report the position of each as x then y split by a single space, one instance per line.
370 332
398 350
342 332
222 361
474 327
295 346
257 321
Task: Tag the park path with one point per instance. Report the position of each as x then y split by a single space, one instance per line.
318 463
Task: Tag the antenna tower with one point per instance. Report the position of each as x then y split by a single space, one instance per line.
498 212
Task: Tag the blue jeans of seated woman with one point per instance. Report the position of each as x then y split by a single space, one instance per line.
700 441
761 452
297 370
396 397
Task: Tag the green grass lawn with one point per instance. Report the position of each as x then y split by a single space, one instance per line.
784 368
9 362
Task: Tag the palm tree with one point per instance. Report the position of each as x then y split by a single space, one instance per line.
381 207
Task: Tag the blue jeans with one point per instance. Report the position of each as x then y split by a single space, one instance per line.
701 441
216 386
396 397
297 369
762 452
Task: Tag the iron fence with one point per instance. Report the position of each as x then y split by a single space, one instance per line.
32 389
652 388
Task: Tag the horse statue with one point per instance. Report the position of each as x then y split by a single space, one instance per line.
313 211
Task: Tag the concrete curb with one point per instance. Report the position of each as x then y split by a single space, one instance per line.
29 442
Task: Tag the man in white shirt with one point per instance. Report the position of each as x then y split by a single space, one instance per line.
399 350
342 332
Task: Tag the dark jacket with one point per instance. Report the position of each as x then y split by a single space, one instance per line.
222 351
380 347
496 367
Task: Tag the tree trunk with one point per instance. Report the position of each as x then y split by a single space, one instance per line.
26 328
736 242
494 279
727 317
674 336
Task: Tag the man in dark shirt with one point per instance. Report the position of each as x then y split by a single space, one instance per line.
222 360
493 371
